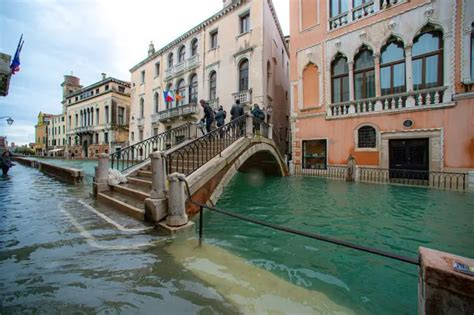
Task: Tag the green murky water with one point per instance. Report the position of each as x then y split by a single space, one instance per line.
57 256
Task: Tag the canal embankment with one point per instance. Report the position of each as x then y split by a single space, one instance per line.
65 174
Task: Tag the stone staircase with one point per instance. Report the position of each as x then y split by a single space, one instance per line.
129 197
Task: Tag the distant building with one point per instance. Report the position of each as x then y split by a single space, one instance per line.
41 134
57 135
5 74
96 116
239 53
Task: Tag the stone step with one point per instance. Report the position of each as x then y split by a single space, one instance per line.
139 181
123 203
144 174
132 191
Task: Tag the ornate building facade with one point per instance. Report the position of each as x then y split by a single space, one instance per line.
238 53
96 116
387 82
41 134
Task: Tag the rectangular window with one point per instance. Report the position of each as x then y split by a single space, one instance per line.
140 135
64 129
155 131
157 69
96 91
121 116
214 39
121 89
106 137
97 116
132 136
143 77
77 120
97 138
338 7
245 23
314 154
106 114
107 87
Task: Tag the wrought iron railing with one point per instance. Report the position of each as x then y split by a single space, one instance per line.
328 171
440 180
139 152
195 154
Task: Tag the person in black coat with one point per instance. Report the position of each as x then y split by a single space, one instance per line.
237 110
208 114
220 116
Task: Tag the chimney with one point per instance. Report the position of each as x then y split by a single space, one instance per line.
104 75
151 49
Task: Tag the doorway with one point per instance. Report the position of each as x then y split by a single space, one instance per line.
409 158
85 148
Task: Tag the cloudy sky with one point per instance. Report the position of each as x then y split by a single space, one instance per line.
85 37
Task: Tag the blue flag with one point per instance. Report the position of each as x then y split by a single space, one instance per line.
15 66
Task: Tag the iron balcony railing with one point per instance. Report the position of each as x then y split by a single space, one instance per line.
198 152
137 153
434 179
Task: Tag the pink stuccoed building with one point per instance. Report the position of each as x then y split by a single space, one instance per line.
386 81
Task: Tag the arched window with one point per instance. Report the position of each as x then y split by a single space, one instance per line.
193 89
156 101
310 86
181 54
170 60
366 137
194 47
340 79
244 75
427 54
392 67
180 93
364 76
142 107
212 85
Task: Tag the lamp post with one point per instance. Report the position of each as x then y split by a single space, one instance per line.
9 120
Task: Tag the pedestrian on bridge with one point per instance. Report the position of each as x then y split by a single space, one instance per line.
208 115
237 110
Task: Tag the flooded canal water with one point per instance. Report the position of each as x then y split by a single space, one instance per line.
58 255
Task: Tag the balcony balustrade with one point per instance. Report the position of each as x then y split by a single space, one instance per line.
427 98
191 63
177 112
245 97
361 11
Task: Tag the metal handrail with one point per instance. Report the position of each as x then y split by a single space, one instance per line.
137 153
198 152
383 253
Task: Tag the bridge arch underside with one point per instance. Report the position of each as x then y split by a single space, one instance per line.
262 161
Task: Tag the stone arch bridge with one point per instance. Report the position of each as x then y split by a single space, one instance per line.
208 163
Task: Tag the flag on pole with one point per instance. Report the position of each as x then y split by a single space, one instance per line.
168 95
15 65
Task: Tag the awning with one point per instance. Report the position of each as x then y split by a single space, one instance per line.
55 150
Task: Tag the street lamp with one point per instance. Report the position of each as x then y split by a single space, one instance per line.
9 120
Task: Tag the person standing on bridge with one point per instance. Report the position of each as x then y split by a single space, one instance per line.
237 110
208 115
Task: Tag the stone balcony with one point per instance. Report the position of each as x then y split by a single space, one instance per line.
245 97
175 113
420 99
365 9
183 66
87 129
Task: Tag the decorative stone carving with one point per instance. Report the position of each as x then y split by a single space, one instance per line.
363 35
391 25
428 12
337 43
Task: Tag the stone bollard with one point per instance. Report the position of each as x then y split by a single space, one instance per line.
249 126
270 131
101 174
176 201
156 207
441 290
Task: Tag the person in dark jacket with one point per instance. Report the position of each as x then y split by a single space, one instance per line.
237 110
220 116
208 115
5 162
258 113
